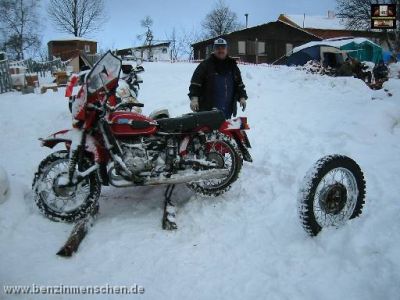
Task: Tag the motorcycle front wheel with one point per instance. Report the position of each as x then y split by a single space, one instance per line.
332 192
224 152
61 203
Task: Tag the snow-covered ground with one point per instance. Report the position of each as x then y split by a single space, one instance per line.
246 244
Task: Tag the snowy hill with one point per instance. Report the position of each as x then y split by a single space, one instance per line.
247 244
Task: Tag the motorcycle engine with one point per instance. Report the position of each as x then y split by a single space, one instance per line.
134 158
141 155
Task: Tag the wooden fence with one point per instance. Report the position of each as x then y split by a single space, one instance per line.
39 67
5 79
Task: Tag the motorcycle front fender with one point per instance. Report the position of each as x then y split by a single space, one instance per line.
72 138
56 138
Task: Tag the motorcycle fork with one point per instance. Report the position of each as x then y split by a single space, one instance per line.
113 146
77 160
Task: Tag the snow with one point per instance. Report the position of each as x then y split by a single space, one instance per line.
317 22
337 43
395 70
246 244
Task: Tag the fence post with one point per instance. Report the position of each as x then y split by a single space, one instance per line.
5 79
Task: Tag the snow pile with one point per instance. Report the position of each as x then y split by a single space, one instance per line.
4 185
246 244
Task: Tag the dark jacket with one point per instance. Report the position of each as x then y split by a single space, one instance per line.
203 83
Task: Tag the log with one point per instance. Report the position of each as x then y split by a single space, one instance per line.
76 236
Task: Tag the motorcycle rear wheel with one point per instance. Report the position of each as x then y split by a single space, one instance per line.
65 204
225 152
333 192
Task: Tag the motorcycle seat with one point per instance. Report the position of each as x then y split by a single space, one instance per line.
188 122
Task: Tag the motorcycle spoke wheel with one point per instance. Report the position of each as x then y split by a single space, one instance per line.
62 199
224 153
64 203
332 192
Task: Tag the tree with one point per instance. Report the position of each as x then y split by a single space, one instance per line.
187 39
148 36
77 17
221 20
357 16
19 22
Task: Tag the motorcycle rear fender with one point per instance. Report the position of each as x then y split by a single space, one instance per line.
72 139
235 129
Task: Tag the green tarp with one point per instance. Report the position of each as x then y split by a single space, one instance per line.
364 51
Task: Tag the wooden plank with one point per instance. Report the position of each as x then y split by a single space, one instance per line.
5 80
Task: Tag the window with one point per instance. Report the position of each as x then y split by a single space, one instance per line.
164 50
87 48
242 47
289 48
261 48
209 50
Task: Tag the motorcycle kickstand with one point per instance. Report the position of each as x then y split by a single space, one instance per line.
168 221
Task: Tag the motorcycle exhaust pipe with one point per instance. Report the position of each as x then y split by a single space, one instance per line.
182 177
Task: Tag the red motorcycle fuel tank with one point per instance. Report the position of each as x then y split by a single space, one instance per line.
131 123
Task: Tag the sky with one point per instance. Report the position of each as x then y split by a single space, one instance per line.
123 17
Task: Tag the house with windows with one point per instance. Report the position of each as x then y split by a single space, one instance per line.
266 43
154 52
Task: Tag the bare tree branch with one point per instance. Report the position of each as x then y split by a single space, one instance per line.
19 21
77 17
221 20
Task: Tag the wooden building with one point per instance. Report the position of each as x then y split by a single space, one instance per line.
329 26
265 43
67 49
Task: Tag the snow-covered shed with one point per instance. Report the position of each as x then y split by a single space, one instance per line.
68 48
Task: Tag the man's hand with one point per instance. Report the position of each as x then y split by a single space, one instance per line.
243 103
194 104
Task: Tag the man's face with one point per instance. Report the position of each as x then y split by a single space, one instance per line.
221 52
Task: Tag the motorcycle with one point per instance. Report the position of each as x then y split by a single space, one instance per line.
111 146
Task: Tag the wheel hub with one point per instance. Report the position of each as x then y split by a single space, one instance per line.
217 158
333 198
62 190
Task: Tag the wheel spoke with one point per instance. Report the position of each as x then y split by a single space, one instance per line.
334 177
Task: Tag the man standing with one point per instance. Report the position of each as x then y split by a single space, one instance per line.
217 83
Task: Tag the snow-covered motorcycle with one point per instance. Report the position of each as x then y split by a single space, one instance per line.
109 145
332 192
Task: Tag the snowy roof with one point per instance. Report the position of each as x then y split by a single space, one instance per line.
337 43
317 22
72 38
